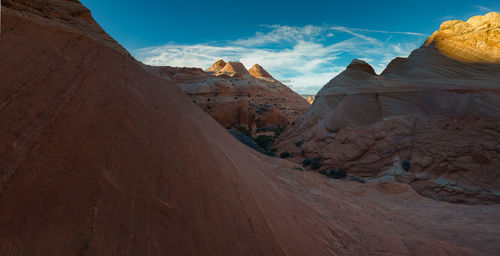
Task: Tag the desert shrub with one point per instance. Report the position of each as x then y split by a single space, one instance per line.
307 162
337 174
298 143
316 164
358 179
285 155
323 172
264 141
405 165
278 130
244 130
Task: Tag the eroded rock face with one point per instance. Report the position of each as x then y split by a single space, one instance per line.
217 66
477 40
259 72
256 101
435 114
100 156
234 69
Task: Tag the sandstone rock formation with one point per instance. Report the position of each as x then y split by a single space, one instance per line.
234 69
100 156
475 41
235 97
259 72
217 66
309 98
430 120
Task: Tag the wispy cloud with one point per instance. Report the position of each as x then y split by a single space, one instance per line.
483 9
305 58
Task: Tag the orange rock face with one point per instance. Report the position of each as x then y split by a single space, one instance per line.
217 66
430 120
258 102
476 40
259 72
101 156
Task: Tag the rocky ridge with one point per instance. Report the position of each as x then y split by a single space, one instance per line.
429 120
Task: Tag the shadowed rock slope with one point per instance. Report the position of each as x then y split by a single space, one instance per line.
101 157
430 120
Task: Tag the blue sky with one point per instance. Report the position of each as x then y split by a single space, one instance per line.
302 43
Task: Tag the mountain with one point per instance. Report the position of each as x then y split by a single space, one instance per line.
430 120
236 98
102 155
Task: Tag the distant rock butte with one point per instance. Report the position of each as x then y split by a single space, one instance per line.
310 99
236 97
430 120
476 40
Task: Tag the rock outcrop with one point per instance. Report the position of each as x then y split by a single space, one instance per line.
310 99
259 72
475 41
235 97
234 69
217 66
430 120
101 156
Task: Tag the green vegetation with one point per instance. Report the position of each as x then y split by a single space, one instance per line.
278 130
316 164
334 174
337 174
285 155
264 141
244 130
307 162
405 165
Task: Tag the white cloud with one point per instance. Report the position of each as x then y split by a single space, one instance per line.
304 58
483 9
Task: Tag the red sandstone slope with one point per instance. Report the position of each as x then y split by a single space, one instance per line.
100 157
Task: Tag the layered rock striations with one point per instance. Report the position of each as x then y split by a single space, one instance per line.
101 156
430 120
